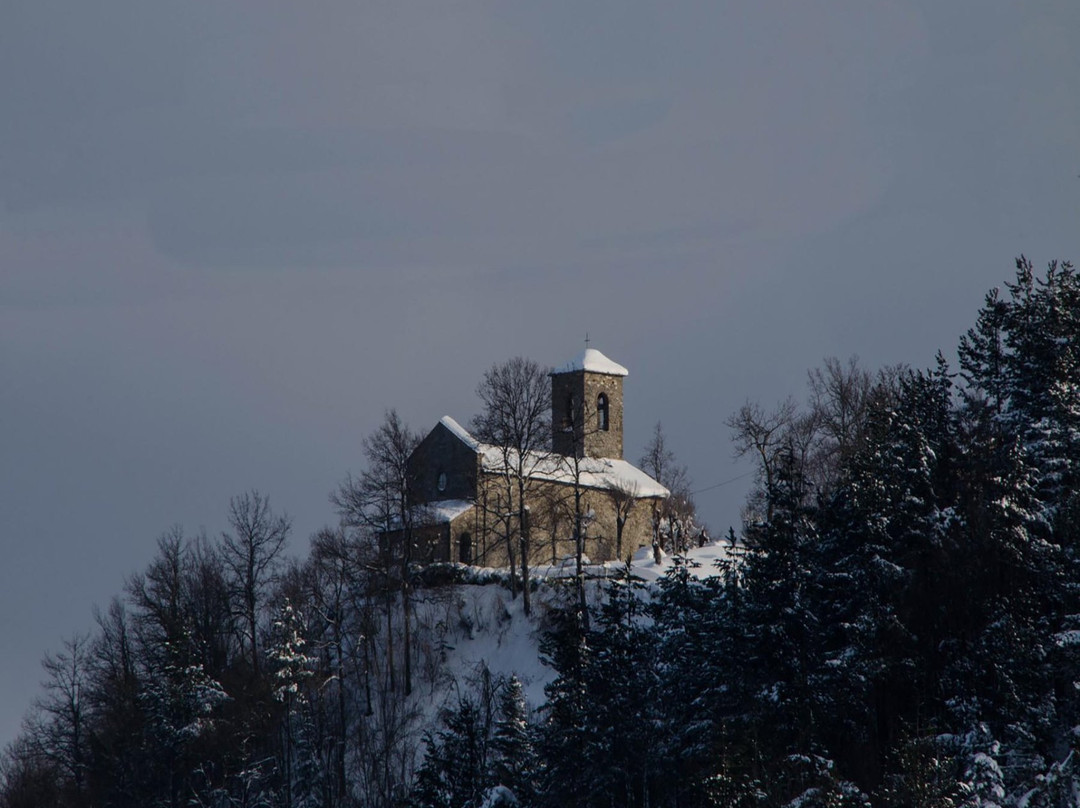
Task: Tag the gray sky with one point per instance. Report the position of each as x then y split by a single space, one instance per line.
231 234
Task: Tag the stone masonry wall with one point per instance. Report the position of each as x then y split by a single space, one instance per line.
600 443
584 388
441 452
551 507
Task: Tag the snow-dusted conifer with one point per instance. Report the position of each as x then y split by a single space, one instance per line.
455 772
515 764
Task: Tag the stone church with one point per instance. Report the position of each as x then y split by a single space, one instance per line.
465 508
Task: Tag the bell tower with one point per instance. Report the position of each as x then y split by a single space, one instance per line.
587 406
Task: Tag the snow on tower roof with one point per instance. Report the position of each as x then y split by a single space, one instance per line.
594 362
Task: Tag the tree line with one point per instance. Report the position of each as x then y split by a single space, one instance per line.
898 624
228 674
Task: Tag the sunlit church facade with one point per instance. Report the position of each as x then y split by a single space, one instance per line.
463 509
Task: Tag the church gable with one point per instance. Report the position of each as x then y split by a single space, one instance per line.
446 464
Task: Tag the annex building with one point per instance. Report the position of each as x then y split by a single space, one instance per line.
466 505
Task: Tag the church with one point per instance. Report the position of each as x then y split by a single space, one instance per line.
467 513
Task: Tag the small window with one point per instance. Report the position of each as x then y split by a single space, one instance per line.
441 482
602 412
568 413
465 548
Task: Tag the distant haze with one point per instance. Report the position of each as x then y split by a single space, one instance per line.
231 234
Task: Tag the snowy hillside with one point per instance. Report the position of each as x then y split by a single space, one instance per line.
464 629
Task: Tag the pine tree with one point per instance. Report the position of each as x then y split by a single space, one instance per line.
292 668
698 699
515 763
777 641
601 736
568 739
455 772
1022 361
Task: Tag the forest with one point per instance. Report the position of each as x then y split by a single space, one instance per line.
897 623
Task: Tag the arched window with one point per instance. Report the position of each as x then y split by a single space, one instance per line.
602 412
568 413
465 548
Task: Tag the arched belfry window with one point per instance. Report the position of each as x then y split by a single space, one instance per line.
602 412
568 414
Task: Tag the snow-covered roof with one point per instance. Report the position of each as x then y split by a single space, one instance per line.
460 432
605 473
440 512
593 361
443 511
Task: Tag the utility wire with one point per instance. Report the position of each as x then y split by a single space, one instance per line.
718 485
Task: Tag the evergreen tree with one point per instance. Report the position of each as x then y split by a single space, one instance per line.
776 641
696 622
455 771
568 739
1022 360
292 668
515 762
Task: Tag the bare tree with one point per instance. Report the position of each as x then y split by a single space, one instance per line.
556 513
209 599
660 462
158 595
624 496
250 552
580 419
380 503
840 396
678 510
517 407
63 713
342 598
27 778
765 436
815 442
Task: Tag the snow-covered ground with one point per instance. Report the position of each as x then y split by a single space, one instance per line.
466 628
644 566
701 560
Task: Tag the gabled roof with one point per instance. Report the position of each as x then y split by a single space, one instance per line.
594 362
460 432
603 473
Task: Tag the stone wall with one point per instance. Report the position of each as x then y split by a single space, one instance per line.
600 442
551 506
442 452
583 389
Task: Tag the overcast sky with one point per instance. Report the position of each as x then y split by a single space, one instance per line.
233 233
